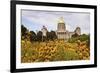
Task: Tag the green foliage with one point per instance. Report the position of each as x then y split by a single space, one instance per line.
33 36
51 35
62 55
71 55
23 32
82 37
39 36
75 35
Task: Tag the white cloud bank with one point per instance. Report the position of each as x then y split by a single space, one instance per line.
34 20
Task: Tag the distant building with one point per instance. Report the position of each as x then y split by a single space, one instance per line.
78 31
62 33
44 30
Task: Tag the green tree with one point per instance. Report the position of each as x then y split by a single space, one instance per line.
23 32
39 36
51 35
83 37
75 35
33 36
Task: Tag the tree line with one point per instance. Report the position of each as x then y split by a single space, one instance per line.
32 36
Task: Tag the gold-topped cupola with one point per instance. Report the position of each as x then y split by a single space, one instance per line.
61 20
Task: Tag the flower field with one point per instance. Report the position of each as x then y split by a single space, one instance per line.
57 50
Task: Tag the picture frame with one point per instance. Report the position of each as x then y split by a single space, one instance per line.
18 64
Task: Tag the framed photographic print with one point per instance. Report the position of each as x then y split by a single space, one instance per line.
52 36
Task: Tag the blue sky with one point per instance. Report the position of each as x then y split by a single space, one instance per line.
34 20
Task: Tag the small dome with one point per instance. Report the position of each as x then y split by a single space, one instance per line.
61 20
78 28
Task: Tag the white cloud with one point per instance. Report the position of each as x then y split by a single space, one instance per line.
50 19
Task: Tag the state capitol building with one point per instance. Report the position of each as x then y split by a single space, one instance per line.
61 31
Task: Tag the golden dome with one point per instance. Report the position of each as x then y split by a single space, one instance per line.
61 20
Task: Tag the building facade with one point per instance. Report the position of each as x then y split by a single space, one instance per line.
62 33
44 31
